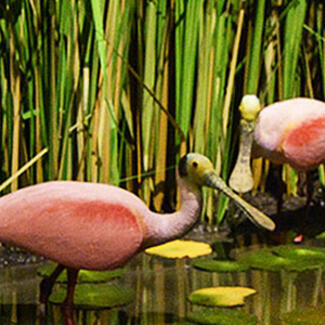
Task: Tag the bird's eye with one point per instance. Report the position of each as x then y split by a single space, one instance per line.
194 164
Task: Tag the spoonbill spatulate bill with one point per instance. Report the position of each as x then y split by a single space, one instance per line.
290 131
101 227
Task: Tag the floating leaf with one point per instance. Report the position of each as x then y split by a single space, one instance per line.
263 259
84 276
300 252
269 260
321 235
209 264
221 296
95 296
305 316
222 317
181 249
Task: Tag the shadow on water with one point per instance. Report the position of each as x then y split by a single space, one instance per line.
161 290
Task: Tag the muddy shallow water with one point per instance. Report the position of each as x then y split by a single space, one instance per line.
162 287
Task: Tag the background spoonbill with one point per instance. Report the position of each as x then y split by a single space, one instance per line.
290 131
101 227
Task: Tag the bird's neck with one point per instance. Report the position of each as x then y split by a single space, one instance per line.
161 228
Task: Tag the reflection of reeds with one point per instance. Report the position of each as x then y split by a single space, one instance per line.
181 289
14 316
266 298
162 288
159 298
318 287
288 296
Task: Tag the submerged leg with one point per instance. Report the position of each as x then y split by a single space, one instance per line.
300 237
278 236
46 287
67 306
280 191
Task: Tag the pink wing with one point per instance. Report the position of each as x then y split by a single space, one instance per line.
304 146
80 225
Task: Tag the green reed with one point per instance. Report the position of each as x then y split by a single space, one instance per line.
103 91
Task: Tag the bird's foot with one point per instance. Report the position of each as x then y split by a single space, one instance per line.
45 291
42 309
67 311
298 239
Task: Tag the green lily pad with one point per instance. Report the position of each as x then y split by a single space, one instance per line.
263 259
271 260
300 252
305 316
180 249
95 296
221 296
84 276
211 265
321 235
222 317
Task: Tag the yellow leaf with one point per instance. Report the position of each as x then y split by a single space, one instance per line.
221 296
180 249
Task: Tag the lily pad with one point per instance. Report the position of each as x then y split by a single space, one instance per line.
305 316
321 235
211 265
271 260
222 317
84 276
263 259
300 252
221 296
95 296
180 249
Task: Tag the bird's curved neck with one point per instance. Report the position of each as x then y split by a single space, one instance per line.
161 228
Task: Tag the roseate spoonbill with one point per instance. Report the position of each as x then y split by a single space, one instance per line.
290 131
101 227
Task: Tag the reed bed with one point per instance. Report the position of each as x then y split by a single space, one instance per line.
115 91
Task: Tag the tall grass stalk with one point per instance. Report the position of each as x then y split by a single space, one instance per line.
117 89
292 37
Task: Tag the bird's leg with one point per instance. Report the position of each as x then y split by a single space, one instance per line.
67 306
309 184
277 236
46 287
280 191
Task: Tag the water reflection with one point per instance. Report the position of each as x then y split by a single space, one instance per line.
161 290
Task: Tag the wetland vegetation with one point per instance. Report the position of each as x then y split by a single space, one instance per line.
116 92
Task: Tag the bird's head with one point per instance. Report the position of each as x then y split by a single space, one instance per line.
249 107
197 171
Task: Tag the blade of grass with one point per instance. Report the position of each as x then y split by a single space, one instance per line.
255 50
23 169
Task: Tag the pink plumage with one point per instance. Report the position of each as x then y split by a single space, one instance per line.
71 222
293 132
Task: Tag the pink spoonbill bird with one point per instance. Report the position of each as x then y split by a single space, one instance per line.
101 227
290 131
